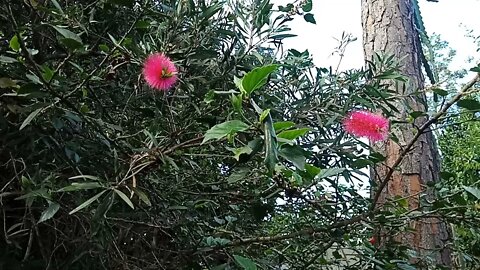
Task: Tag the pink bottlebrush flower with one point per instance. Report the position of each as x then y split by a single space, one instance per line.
366 124
159 71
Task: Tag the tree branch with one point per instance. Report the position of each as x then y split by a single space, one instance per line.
281 237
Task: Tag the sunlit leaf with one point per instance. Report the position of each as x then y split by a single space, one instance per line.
30 117
256 78
226 128
80 186
14 44
48 213
474 191
330 172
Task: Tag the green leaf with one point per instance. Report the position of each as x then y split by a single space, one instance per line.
257 78
294 154
264 114
283 36
14 44
71 43
447 175
209 97
377 157
293 134
246 150
103 207
8 60
475 69
47 73
226 128
84 176
245 263
7 83
125 3
256 145
238 83
87 202
417 114
330 172
142 196
177 207
288 8
221 267
210 11
34 78
142 24
237 102
30 117
80 186
361 163
238 174
404 266
307 6
71 40
279 126
312 171
469 104
67 33
124 198
309 18
440 92
271 151
403 203
474 191
42 192
48 213
55 3
104 48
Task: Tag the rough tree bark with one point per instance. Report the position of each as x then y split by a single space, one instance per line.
388 28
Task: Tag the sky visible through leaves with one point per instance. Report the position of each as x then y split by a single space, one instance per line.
451 19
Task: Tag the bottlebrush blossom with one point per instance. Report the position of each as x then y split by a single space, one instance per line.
159 71
366 124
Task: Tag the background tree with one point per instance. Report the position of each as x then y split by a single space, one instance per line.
389 27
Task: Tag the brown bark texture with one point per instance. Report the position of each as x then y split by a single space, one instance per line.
388 28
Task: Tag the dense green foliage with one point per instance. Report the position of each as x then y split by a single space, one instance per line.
242 165
459 143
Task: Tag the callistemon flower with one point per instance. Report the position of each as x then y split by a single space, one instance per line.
159 72
366 124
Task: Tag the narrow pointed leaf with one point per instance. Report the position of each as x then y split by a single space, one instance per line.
87 203
124 198
49 212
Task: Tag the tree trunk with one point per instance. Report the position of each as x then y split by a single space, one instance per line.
388 28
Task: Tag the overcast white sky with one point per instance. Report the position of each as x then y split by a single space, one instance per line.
449 18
